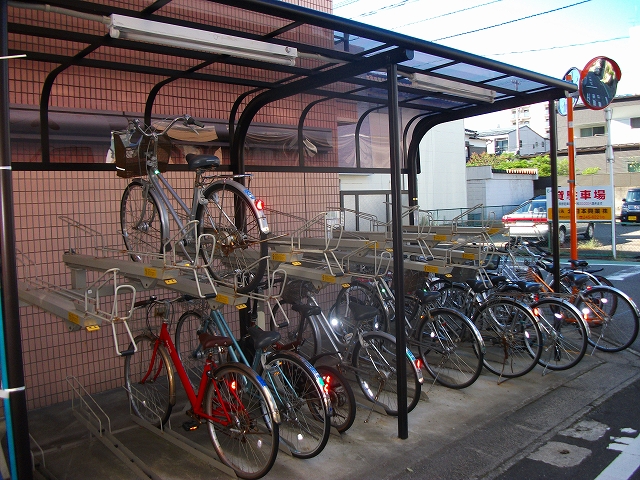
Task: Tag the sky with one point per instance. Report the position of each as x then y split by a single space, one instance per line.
544 36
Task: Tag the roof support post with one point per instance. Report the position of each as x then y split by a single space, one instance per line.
15 405
395 157
326 77
553 156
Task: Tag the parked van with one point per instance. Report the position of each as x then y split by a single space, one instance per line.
630 212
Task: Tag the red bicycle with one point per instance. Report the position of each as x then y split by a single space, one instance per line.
232 400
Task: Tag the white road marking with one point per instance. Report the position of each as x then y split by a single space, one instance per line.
625 464
624 273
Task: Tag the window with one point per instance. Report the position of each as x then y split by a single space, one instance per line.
502 146
635 122
591 131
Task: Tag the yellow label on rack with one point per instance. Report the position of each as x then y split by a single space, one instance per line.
150 272
374 245
170 281
297 264
279 257
241 306
74 318
92 328
346 285
440 238
469 256
390 250
430 269
328 278
222 299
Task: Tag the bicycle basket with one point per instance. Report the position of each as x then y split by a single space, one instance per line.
131 150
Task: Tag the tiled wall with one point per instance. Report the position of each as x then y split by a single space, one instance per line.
51 352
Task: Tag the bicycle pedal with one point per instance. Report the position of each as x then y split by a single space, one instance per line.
191 426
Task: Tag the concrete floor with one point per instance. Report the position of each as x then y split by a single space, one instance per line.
443 420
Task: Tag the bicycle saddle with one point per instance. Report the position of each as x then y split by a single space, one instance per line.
210 341
306 310
425 296
362 312
262 339
202 161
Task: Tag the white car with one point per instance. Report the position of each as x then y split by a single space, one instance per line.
529 220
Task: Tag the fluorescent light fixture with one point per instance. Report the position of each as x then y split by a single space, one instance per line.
441 85
129 28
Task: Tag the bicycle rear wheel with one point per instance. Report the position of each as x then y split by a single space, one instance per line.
564 333
451 348
288 322
512 338
343 401
612 317
242 430
238 255
374 360
143 229
304 406
149 381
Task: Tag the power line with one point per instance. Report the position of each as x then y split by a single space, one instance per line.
447 14
510 21
559 47
344 3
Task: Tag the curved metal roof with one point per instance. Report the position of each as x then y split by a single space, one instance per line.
337 58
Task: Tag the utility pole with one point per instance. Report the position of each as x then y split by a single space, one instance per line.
610 159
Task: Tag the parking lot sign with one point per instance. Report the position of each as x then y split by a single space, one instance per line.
593 204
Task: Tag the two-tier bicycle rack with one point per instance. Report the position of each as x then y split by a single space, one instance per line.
105 281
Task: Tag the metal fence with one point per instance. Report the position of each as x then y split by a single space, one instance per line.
361 206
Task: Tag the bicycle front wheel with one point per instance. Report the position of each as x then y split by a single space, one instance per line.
612 317
564 333
149 381
451 348
143 229
512 339
303 405
374 360
237 255
241 428
343 401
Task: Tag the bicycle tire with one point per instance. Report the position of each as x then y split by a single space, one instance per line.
142 226
341 396
565 334
243 431
454 296
303 405
188 345
287 321
450 347
612 317
512 338
238 258
374 362
149 381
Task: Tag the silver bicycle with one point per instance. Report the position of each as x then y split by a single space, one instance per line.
225 226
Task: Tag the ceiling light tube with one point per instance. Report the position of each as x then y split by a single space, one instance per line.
136 29
441 85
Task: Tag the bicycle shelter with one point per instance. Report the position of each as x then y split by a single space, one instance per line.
318 58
